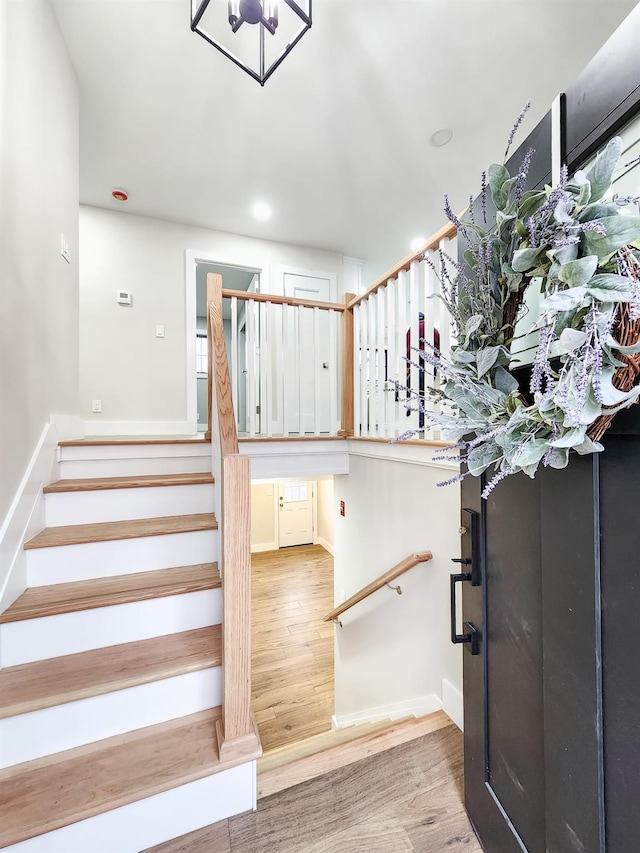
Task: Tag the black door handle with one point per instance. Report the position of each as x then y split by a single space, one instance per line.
471 636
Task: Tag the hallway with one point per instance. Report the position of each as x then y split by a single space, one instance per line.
292 648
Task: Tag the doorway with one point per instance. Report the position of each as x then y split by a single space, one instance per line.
292 590
234 277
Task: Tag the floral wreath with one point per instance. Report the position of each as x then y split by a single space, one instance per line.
577 244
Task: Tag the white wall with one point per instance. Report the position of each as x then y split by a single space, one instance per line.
138 377
394 650
39 290
264 506
325 513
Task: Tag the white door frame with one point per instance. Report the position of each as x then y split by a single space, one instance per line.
191 258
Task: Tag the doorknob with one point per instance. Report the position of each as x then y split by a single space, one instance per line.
472 636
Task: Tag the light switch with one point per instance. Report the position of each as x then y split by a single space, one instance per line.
159 331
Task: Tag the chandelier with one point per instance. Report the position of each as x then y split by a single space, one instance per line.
254 34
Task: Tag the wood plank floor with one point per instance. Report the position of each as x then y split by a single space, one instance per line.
292 649
405 800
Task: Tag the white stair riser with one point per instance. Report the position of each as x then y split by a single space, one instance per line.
135 451
120 557
134 467
121 504
68 633
155 819
51 730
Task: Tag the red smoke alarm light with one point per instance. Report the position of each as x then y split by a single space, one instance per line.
120 195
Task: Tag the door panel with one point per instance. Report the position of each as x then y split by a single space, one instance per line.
295 514
552 700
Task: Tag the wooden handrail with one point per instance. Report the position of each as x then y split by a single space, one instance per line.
276 299
236 732
399 569
448 230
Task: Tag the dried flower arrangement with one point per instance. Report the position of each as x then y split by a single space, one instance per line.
577 244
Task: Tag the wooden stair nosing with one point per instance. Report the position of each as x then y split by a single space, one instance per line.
51 600
52 792
143 481
305 766
33 686
106 531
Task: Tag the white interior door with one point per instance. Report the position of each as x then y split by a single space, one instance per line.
295 513
307 349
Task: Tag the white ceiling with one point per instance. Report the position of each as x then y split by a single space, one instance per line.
338 139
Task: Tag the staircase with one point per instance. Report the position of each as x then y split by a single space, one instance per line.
111 681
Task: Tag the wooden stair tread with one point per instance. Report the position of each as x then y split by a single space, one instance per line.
56 681
139 482
48 793
80 534
106 442
51 600
315 744
294 763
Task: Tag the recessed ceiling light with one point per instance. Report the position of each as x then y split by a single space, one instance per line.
417 243
441 137
262 211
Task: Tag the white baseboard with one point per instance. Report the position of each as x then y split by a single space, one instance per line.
418 707
25 517
323 542
453 703
264 546
68 427
102 428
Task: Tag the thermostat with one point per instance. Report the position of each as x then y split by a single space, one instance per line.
124 297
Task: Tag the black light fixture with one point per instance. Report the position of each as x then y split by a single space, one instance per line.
261 38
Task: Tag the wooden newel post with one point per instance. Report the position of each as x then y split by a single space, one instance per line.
214 293
236 733
346 430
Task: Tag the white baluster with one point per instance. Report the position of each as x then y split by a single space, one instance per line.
402 325
251 367
357 372
414 326
380 354
317 366
279 368
365 368
392 351
234 355
265 372
333 373
445 319
373 410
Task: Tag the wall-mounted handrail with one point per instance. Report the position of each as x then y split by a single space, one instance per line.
237 737
277 299
399 569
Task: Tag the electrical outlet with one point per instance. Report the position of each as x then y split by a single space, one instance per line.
96 406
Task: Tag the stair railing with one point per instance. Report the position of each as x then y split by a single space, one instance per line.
384 580
398 312
285 356
237 734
